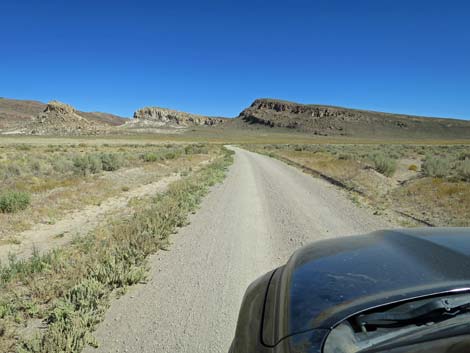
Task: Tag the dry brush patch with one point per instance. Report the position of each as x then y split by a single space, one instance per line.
61 178
429 183
69 289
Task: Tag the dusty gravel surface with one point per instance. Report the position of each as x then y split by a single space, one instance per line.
246 226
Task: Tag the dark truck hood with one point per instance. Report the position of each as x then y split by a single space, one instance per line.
325 282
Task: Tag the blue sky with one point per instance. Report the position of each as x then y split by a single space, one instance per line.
216 57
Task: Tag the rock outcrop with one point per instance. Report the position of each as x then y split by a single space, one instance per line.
162 117
62 119
337 121
26 117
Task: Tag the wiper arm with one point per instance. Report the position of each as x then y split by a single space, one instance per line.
440 308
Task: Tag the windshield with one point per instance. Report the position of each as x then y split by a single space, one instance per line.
437 324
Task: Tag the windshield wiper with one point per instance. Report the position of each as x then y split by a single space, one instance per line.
437 309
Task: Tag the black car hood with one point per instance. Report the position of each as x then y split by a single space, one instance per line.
325 282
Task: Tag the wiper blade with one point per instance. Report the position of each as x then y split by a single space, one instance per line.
439 308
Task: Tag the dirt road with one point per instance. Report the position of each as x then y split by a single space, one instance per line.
246 226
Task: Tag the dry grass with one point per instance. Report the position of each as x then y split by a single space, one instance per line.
220 135
437 200
384 176
55 192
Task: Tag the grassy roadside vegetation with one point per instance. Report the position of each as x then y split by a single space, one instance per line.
46 181
69 289
423 184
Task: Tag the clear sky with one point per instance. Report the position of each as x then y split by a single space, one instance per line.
216 57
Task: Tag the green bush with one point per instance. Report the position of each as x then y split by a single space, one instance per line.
463 169
345 156
435 166
172 154
464 156
384 164
110 161
88 164
62 165
14 201
150 157
196 149
23 147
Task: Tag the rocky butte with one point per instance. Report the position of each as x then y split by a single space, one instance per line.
159 117
62 119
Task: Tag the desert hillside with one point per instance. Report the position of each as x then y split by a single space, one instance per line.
18 116
337 121
55 118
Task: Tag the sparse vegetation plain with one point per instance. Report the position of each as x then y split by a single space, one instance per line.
52 301
57 178
70 288
424 184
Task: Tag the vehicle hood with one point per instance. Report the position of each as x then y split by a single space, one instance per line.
325 282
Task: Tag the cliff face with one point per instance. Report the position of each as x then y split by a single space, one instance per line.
154 116
328 120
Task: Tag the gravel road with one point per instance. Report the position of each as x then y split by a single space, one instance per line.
246 226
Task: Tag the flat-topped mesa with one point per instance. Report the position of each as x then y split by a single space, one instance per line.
311 110
331 120
168 117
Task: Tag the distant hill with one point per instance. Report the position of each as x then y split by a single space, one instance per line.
18 115
55 118
337 121
15 112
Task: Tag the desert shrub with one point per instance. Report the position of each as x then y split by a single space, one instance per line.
150 157
37 166
464 156
10 170
172 154
14 201
95 163
196 149
463 169
413 167
110 161
383 164
23 147
344 156
62 165
436 166
88 164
